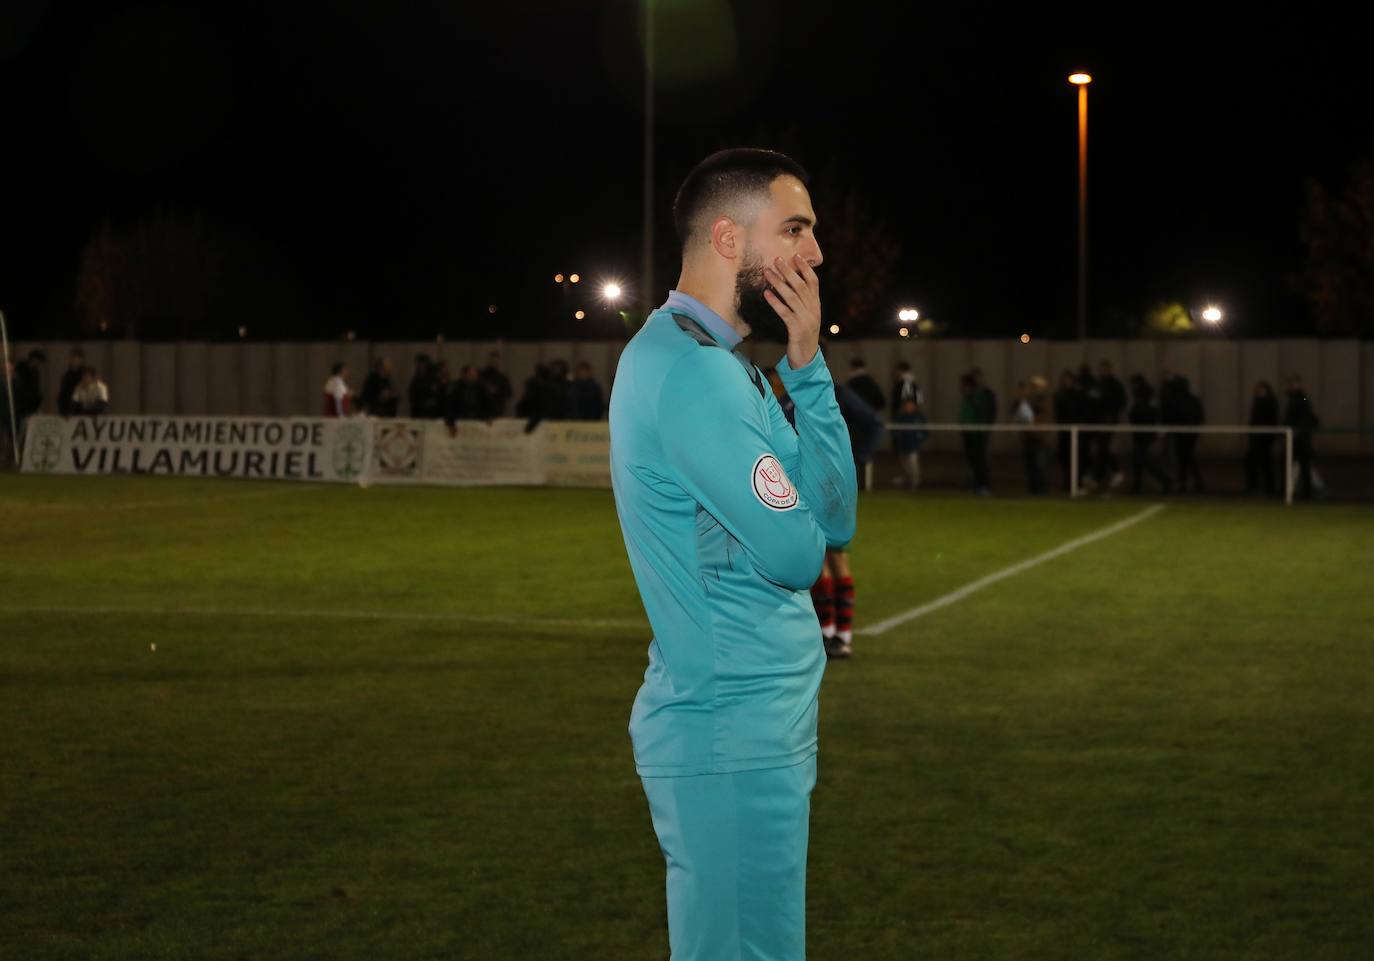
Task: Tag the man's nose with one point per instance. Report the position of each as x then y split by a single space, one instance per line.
813 256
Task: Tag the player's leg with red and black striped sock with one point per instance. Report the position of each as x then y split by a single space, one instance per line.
844 608
823 597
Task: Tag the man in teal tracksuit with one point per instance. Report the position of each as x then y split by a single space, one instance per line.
726 512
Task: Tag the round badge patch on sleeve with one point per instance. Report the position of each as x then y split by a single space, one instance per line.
771 484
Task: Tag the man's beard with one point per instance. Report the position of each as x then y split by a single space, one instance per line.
764 322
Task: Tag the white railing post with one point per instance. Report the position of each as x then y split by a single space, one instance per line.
1073 461
1288 478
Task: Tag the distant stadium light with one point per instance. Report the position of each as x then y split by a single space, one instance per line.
908 314
611 292
491 308
1079 79
1025 338
575 278
580 315
1212 315
834 328
904 332
557 278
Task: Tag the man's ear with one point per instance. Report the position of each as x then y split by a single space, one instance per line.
726 239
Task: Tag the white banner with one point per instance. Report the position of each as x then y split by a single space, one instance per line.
358 450
251 447
477 453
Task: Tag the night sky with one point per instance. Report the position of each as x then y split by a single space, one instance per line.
394 168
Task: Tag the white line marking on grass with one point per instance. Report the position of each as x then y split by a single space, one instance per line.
884 626
331 615
140 505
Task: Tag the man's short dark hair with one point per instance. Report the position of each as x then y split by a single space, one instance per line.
725 178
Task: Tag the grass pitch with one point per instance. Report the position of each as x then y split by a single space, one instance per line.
253 720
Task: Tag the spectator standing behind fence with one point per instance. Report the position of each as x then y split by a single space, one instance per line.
465 399
863 384
585 400
1144 413
496 384
28 388
533 402
337 396
1089 441
91 396
425 391
379 397
1170 415
1299 415
975 441
1111 403
71 379
1259 451
1029 410
1184 409
907 408
1067 409
558 391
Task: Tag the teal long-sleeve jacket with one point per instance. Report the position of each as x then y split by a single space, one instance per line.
726 512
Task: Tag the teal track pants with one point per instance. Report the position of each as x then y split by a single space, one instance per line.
735 847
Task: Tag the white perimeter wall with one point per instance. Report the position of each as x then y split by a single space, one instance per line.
284 379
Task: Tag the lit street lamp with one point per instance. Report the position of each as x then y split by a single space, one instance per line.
1081 81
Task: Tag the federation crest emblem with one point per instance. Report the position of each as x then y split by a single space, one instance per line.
398 449
771 484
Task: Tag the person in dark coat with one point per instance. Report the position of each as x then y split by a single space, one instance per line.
497 385
907 403
1299 415
1184 409
972 411
863 384
1144 413
585 400
71 380
426 391
1111 404
465 399
1091 464
379 397
1259 451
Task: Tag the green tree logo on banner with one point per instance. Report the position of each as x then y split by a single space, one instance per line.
349 451
45 447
